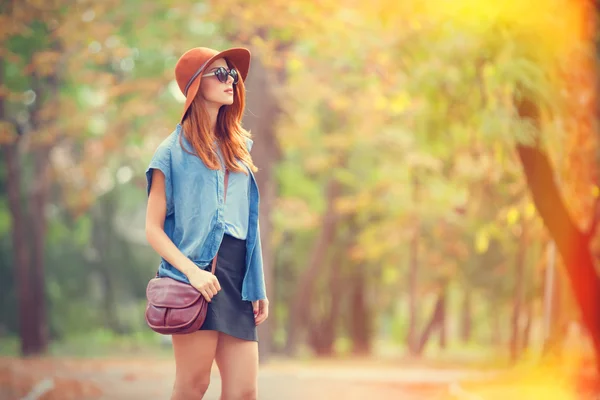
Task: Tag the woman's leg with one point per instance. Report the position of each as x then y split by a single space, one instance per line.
194 355
237 360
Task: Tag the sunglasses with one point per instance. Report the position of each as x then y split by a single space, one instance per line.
222 74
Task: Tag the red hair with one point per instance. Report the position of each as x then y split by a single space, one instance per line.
228 129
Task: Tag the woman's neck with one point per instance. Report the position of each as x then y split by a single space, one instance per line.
213 112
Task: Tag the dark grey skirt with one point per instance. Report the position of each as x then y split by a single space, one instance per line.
227 312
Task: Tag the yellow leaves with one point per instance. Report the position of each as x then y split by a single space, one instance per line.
553 24
377 241
295 214
482 241
316 163
423 160
512 216
380 103
395 105
529 210
340 103
399 103
353 204
390 275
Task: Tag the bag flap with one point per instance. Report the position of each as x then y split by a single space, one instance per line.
167 292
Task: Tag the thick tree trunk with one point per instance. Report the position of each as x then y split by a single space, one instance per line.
299 308
261 119
47 87
360 316
571 242
323 328
21 252
519 293
38 224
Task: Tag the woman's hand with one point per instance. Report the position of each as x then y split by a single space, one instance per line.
261 310
205 282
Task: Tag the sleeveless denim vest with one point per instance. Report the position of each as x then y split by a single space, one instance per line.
194 218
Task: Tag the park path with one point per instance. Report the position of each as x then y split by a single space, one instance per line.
151 378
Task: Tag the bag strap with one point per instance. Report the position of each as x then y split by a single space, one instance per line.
214 262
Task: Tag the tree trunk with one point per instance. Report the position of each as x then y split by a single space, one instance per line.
335 285
466 322
443 327
38 198
102 232
38 224
360 317
413 309
27 332
519 294
261 119
551 301
552 343
572 244
437 318
323 328
304 291
10 153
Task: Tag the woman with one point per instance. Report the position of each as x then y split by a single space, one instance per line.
203 208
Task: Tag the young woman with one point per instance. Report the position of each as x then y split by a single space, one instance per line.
203 204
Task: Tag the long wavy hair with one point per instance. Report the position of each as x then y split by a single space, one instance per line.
228 131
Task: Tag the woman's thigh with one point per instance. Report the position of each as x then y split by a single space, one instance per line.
194 355
237 360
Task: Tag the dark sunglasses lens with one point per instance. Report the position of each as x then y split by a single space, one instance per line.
234 75
221 74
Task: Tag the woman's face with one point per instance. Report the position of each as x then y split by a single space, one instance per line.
212 89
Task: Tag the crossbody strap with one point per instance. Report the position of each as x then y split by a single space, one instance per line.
214 262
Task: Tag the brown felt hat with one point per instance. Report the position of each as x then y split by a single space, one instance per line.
193 62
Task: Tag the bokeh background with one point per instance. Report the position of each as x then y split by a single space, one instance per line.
428 179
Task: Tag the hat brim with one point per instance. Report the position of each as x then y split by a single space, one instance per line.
238 56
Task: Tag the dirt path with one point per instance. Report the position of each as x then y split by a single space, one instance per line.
151 378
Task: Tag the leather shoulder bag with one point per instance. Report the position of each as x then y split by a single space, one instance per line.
175 307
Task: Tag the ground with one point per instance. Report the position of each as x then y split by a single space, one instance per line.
152 378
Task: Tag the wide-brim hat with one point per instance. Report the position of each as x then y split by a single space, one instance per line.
191 65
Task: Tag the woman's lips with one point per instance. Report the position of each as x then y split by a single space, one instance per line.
230 90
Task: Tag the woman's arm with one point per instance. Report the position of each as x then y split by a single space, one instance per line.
204 281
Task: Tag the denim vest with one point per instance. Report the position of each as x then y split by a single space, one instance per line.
194 219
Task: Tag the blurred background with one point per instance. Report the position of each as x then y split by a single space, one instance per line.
428 179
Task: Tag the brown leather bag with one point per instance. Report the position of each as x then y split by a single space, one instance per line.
175 307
